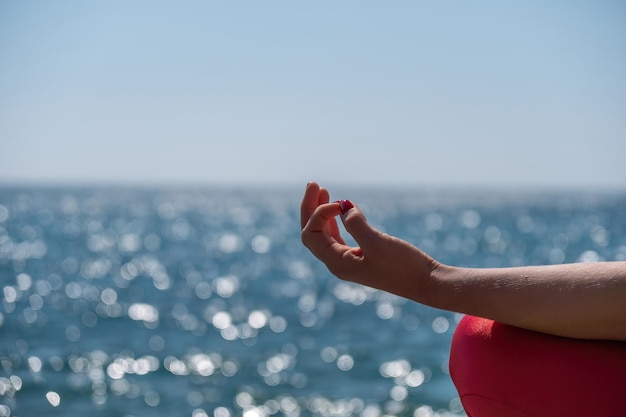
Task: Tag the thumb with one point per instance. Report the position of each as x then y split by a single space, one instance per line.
356 224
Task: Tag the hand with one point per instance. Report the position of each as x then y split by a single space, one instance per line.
380 261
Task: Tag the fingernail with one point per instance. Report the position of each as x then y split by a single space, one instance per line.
345 206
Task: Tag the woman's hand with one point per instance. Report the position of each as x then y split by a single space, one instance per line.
380 261
574 300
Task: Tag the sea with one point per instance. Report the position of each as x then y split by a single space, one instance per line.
203 302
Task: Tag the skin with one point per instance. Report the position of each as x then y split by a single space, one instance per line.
584 301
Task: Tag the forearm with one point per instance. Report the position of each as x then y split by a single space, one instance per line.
586 300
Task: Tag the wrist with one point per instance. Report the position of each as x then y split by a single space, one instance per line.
442 288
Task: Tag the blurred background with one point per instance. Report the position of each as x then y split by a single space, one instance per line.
152 159
157 92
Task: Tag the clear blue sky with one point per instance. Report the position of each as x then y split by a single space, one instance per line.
419 92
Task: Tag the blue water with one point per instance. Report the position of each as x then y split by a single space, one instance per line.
203 302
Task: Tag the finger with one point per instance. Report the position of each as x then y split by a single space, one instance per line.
334 232
315 234
310 201
333 228
356 224
318 221
323 196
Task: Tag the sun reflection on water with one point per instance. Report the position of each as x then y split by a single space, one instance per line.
206 303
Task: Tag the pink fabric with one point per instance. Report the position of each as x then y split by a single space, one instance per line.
505 371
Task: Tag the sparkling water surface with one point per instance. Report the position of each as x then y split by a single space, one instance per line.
203 302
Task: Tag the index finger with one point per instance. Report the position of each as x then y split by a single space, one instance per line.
315 233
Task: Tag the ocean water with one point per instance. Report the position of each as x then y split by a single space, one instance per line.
203 302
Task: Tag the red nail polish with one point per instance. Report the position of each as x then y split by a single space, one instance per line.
345 205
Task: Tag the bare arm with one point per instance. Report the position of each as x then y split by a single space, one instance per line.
575 300
586 300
